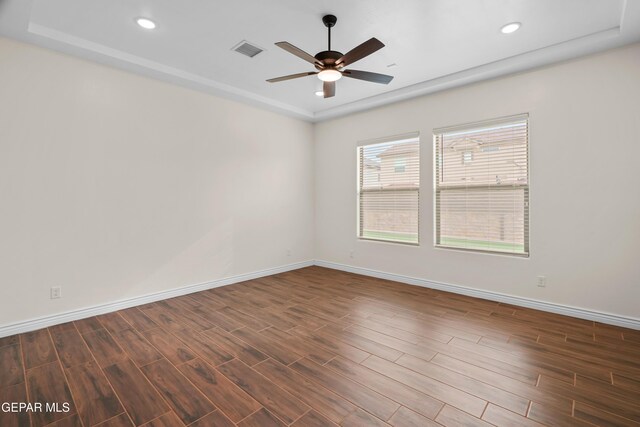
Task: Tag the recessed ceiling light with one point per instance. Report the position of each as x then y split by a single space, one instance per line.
146 23
319 93
329 75
511 27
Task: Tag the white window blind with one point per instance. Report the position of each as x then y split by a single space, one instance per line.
482 186
389 189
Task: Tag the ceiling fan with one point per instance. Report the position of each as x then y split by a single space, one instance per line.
330 63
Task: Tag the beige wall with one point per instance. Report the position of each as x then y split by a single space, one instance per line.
585 184
115 186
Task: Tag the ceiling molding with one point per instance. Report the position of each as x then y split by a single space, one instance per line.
567 50
525 61
199 82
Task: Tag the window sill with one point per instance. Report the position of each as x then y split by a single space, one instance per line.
483 252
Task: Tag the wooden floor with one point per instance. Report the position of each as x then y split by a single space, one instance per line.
318 347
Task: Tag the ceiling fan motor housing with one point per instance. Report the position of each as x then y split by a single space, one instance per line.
328 57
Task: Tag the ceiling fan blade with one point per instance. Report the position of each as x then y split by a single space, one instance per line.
298 52
359 52
368 76
291 76
329 89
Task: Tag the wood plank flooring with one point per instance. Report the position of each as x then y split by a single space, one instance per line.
318 347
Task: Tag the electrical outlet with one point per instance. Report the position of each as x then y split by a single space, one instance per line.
56 292
542 281
352 254
288 252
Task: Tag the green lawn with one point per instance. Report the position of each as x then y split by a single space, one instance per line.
482 245
394 237
446 241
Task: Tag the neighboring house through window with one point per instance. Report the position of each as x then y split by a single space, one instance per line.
482 202
389 189
400 165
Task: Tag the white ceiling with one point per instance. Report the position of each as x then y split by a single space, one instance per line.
436 44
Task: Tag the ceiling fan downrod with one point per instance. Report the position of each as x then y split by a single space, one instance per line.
329 22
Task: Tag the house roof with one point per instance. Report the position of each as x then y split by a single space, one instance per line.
371 164
399 149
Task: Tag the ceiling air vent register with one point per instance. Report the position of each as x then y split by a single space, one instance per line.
247 49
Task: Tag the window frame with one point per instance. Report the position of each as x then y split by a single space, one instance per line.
527 187
359 182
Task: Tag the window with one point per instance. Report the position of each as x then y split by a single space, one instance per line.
482 203
467 157
389 189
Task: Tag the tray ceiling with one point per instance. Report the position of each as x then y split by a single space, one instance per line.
434 44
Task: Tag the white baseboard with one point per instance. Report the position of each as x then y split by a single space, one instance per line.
608 318
43 322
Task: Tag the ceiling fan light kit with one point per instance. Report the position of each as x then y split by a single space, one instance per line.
329 75
330 64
